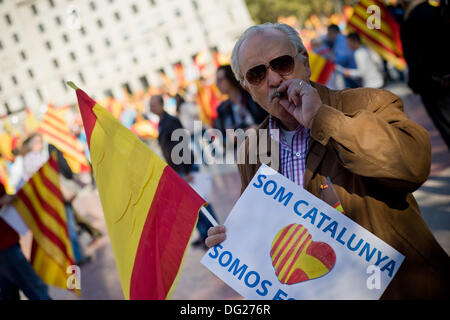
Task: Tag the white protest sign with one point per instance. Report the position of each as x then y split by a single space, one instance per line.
285 243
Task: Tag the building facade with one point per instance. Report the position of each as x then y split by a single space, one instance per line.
104 45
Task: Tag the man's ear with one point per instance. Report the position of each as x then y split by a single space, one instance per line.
305 59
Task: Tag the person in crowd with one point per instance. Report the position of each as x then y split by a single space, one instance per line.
239 111
167 125
341 53
424 46
16 273
367 69
373 155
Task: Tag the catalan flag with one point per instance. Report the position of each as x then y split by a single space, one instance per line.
150 211
296 257
384 40
321 68
55 130
40 204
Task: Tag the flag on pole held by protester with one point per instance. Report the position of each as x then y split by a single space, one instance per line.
150 211
40 204
321 68
55 130
380 33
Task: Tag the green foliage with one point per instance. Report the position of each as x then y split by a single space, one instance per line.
269 10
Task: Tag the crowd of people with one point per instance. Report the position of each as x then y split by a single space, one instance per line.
237 105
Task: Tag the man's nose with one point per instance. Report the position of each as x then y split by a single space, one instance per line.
274 78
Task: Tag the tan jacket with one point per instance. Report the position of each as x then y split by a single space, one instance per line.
376 157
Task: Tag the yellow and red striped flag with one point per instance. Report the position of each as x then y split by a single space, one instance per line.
321 68
208 99
384 40
150 211
178 69
55 130
40 204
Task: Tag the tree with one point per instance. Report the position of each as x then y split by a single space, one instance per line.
269 10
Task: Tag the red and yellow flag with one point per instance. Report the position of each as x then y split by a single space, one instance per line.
321 68
40 204
208 99
150 211
386 39
55 130
178 68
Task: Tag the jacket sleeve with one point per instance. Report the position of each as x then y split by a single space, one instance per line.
374 138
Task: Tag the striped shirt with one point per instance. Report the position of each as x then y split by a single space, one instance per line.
293 151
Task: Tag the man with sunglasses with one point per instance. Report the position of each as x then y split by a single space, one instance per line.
358 139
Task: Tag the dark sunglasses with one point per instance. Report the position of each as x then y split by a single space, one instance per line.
283 65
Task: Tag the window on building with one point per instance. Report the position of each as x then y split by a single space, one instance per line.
58 20
39 93
23 55
41 27
8 111
72 56
117 16
92 5
90 49
14 80
135 60
30 73
134 8
83 31
169 43
64 85
22 99
152 2
127 87
48 45
51 3
80 75
195 4
100 23
8 19
55 63
1 45
107 42
34 9
178 12
108 93
144 82
65 38
16 37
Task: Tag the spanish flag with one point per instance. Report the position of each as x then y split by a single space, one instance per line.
150 211
40 204
55 130
385 40
321 68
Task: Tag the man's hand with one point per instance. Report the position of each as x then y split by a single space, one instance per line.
7 199
216 235
300 99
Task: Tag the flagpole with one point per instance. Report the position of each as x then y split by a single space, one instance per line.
209 216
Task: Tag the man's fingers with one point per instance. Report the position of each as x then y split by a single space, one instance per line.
211 241
215 230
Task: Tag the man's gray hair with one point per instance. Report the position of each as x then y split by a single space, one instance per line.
290 32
